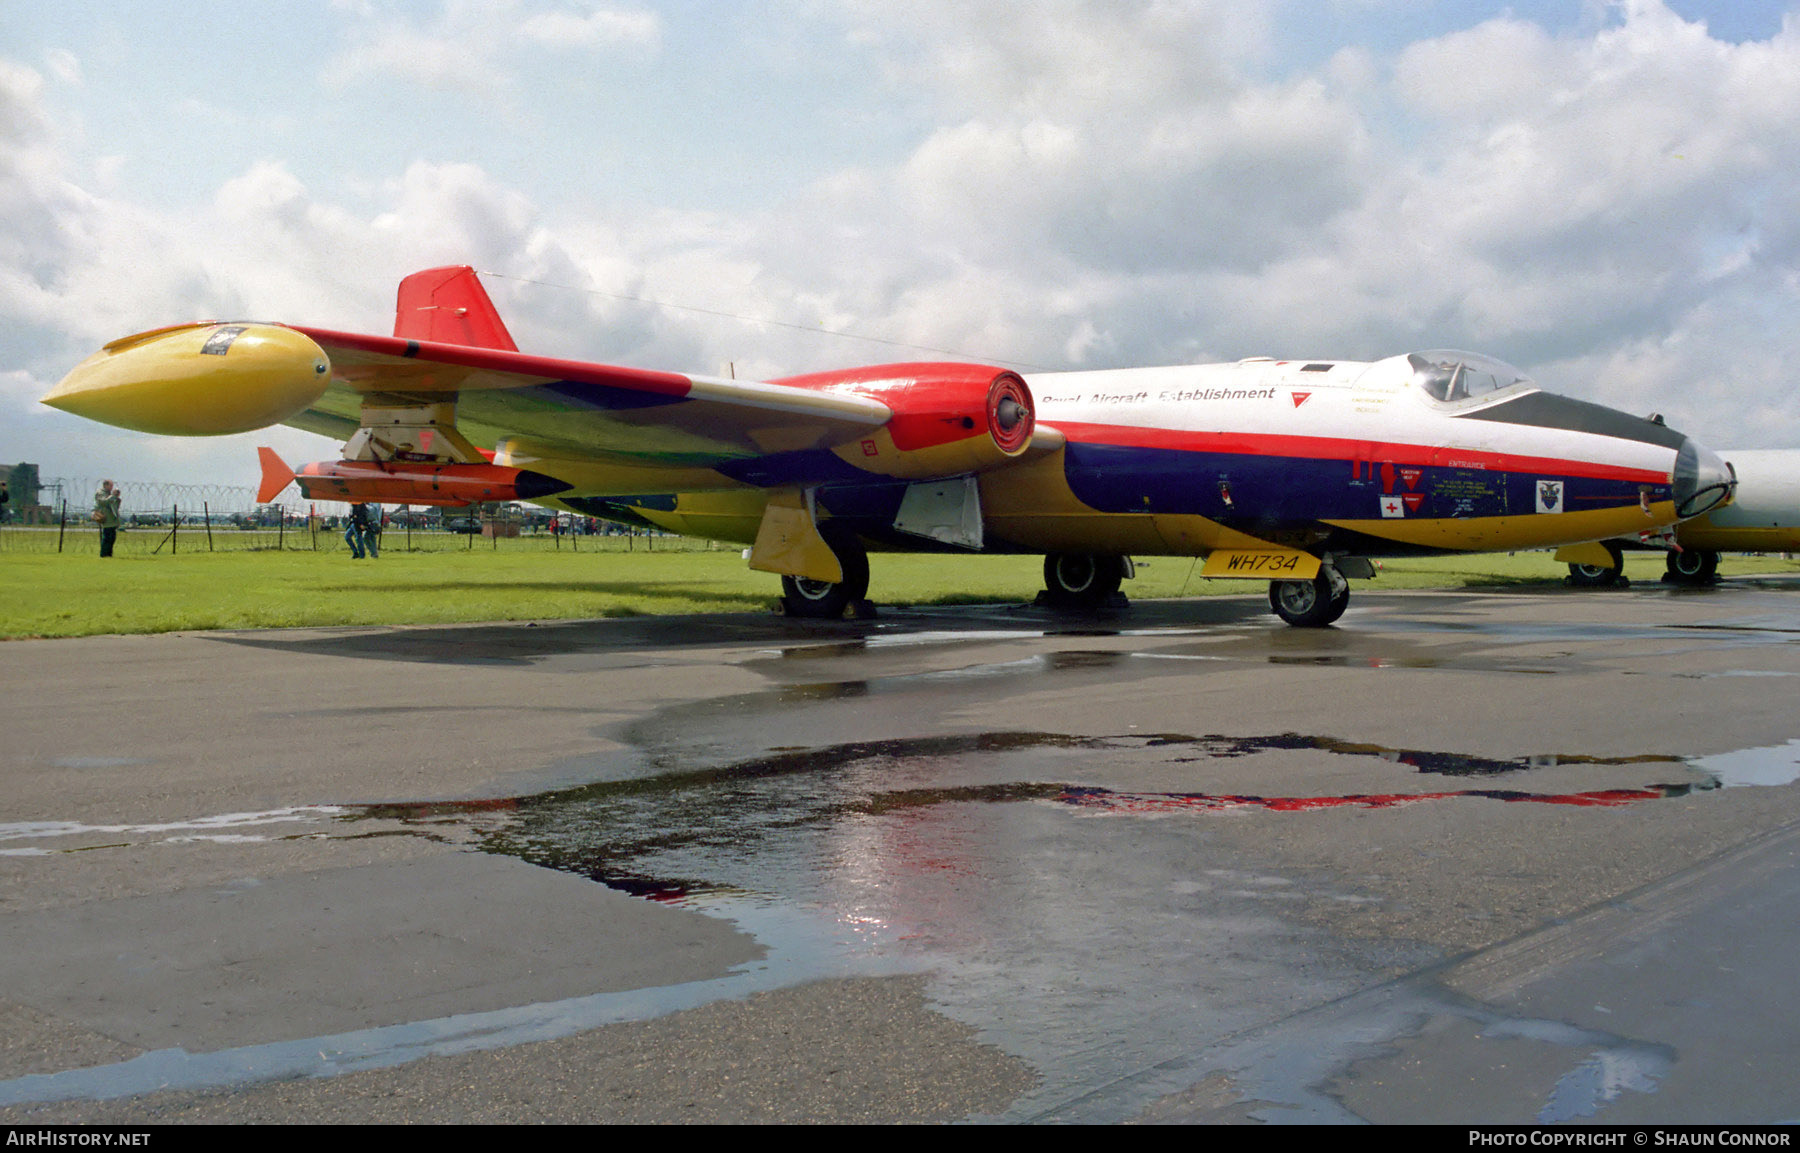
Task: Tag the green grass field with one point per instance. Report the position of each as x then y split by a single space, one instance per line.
78 594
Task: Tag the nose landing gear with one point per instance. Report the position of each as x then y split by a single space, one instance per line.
1693 566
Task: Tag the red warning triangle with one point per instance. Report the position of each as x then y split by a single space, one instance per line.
1299 398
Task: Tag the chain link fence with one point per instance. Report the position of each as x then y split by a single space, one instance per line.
163 519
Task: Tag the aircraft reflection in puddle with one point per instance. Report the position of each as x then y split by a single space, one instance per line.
874 795
1450 764
1178 802
653 836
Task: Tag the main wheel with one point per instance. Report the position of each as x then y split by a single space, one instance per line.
1339 603
1308 604
1693 566
1595 576
1081 579
825 600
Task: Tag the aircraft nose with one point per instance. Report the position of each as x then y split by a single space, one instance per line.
1703 481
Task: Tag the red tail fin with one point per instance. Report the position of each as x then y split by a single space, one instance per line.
450 306
276 475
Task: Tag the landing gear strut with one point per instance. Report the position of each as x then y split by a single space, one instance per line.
1080 580
1693 566
1311 604
823 600
1595 576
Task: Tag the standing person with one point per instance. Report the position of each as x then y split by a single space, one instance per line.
106 515
356 528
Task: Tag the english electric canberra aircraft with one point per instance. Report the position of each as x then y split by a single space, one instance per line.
1296 472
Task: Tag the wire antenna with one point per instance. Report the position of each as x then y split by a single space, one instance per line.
808 328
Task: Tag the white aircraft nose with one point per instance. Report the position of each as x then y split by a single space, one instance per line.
1703 481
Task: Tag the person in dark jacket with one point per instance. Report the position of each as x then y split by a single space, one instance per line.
106 515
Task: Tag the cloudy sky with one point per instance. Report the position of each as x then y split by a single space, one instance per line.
1606 194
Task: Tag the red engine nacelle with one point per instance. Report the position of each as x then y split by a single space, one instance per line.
948 418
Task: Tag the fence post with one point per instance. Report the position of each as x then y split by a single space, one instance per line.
206 519
174 528
62 523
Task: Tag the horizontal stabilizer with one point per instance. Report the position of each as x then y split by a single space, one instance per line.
276 475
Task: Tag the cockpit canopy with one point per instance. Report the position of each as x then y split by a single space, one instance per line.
1448 375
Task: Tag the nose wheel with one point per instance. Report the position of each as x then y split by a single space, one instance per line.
1310 604
1693 566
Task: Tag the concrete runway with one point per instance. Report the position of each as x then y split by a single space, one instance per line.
1498 856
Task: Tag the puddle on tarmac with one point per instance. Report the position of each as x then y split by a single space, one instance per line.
958 854
789 790
219 829
682 834
1774 765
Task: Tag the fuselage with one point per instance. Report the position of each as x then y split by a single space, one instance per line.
1428 453
1763 516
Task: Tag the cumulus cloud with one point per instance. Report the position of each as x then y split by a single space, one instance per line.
599 27
474 47
1613 208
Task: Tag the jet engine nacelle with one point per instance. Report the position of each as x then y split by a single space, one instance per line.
206 379
949 419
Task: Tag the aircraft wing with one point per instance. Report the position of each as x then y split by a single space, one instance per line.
450 386
644 416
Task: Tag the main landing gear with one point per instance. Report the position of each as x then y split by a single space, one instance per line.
1080 580
823 600
1593 576
1693 566
1311 604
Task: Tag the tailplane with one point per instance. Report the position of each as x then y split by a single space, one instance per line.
276 475
448 305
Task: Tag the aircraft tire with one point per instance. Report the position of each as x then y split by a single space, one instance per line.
1593 576
1339 603
1693 566
1082 580
823 600
1308 604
